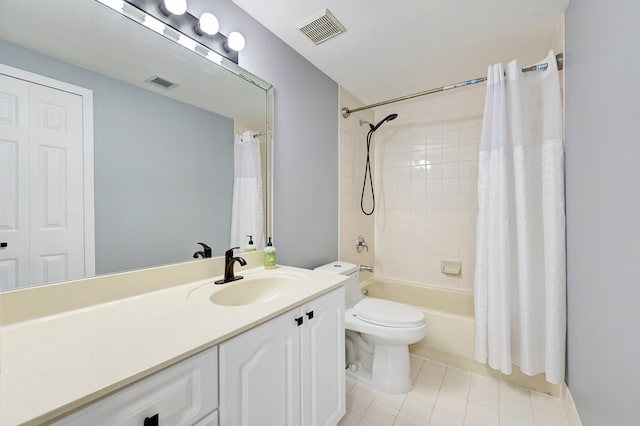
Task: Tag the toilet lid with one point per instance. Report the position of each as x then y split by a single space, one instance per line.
387 313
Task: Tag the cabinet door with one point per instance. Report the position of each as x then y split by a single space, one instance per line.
323 360
260 375
177 396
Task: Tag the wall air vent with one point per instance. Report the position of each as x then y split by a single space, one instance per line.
321 27
161 82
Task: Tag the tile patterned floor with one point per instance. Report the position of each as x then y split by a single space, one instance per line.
448 396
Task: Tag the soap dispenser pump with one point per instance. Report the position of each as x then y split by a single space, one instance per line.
250 246
269 255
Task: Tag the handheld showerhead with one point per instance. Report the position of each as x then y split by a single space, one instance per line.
381 122
367 167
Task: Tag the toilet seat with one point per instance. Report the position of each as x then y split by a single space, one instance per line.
387 313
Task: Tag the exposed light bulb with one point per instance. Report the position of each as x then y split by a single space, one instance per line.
235 41
177 7
208 24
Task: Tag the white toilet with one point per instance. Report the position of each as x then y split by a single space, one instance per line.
378 335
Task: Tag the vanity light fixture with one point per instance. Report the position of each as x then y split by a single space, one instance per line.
171 19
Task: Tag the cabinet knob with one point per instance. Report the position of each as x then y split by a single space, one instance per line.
299 321
310 314
152 421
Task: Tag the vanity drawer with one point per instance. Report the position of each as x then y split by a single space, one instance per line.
182 394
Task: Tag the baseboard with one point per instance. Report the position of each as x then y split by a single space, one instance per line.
570 407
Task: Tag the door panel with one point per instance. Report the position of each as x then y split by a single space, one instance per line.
14 166
56 176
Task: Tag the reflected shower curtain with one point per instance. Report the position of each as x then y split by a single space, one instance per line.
247 214
520 276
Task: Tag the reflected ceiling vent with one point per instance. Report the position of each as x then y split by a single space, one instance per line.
321 27
161 82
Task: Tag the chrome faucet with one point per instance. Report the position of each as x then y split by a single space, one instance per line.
229 261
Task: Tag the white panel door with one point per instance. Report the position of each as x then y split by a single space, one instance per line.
323 360
14 184
56 185
259 375
42 178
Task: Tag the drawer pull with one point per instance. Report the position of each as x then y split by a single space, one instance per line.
299 321
152 421
3 245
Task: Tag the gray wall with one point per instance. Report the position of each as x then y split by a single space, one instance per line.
163 169
603 209
306 140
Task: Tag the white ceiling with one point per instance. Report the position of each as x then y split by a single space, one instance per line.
395 48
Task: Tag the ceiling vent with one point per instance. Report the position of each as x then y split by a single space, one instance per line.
321 27
161 82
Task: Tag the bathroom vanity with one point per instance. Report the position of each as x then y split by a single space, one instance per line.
191 353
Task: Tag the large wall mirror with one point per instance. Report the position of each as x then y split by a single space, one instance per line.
160 178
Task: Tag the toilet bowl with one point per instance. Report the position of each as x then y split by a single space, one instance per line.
382 328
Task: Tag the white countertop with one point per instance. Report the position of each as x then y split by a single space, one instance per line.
54 364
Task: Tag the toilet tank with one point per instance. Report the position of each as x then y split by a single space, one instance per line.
352 294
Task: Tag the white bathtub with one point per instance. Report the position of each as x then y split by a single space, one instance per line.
450 338
448 314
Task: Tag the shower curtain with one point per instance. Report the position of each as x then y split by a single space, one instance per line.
247 214
520 276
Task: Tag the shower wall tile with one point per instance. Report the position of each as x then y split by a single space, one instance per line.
426 170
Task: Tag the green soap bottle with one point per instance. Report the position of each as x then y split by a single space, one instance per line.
269 255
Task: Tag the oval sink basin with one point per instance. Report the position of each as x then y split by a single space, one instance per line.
254 290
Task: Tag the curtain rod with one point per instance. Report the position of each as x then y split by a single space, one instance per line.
346 112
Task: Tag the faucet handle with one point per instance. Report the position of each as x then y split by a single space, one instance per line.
361 244
229 253
206 250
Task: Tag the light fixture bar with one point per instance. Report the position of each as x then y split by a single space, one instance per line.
129 11
186 24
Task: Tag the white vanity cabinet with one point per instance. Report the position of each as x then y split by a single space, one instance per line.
183 394
287 371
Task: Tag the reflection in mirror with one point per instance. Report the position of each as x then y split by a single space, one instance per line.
154 163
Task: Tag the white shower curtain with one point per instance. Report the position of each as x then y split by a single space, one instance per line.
520 276
247 214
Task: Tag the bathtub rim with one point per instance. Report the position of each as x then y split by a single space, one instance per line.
429 287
